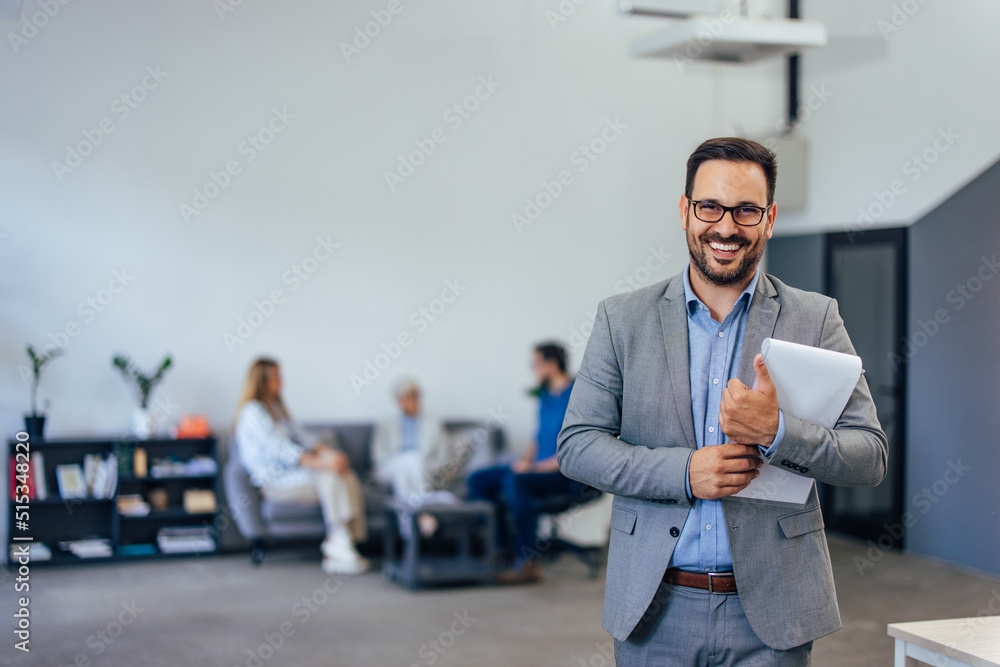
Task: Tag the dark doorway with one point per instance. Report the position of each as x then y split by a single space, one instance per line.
866 272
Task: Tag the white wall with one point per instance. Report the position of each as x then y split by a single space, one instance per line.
896 74
323 176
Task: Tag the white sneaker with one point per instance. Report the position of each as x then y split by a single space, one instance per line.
340 556
356 565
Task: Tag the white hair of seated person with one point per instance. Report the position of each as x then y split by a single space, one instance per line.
404 386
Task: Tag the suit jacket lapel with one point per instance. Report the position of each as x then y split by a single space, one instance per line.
761 319
673 320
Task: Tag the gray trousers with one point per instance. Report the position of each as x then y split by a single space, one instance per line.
688 627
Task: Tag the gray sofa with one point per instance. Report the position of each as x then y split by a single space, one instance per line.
263 522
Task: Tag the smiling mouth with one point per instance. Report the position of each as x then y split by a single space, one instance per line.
724 250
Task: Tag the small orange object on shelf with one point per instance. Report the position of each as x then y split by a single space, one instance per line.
193 426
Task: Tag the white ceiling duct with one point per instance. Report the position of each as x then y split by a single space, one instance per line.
727 36
736 40
672 8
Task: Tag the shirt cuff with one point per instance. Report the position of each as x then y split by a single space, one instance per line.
777 436
687 478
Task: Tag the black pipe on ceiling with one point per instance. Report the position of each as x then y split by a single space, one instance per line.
793 74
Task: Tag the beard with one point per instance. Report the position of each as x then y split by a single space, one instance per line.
732 273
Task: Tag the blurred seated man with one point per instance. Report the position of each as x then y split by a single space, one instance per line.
515 489
410 452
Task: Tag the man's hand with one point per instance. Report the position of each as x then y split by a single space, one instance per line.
750 416
718 471
521 466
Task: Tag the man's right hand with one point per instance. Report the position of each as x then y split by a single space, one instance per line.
718 471
521 466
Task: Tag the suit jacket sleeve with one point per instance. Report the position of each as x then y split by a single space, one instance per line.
855 451
589 449
383 443
437 452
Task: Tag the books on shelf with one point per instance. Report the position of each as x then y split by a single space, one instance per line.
132 504
185 539
88 548
18 480
105 478
199 501
144 549
38 476
197 466
100 476
91 462
34 478
37 551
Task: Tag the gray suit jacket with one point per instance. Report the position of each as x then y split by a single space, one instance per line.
629 431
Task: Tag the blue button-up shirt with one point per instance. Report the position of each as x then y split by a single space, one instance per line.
410 434
714 351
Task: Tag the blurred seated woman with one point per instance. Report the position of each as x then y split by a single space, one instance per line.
289 464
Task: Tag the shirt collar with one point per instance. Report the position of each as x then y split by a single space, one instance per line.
744 300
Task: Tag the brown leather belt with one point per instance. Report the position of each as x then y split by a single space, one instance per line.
711 582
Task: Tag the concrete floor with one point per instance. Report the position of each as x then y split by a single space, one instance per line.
219 611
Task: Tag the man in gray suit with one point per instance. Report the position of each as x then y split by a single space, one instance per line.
663 417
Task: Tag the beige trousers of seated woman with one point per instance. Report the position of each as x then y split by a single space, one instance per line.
338 496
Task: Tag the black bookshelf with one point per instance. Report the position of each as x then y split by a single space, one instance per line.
54 519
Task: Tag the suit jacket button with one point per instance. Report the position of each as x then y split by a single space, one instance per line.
672 501
674 532
804 469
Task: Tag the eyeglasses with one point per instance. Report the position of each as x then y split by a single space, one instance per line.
744 215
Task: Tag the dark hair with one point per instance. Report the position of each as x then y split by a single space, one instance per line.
733 149
553 352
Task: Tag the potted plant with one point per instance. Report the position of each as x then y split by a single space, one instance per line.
143 423
34 422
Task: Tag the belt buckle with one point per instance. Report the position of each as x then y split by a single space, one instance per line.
711 581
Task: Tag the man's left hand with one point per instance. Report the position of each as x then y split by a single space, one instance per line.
750 416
